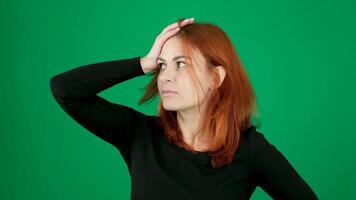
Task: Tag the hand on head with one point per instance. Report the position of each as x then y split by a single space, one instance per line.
149 61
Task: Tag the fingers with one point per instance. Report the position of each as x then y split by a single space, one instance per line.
172 28
169 31
163 38
176 25
187 21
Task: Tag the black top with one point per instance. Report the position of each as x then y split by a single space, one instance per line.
159 169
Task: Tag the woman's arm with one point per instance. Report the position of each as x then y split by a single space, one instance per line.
274 173
76 92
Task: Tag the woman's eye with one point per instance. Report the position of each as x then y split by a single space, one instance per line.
179 62
160 65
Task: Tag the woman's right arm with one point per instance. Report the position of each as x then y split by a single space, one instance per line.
76 92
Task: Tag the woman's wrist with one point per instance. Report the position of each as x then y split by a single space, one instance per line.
146 64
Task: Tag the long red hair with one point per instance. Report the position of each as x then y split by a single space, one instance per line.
231 106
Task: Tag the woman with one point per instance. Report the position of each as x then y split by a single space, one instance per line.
202 144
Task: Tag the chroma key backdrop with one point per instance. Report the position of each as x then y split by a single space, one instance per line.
299 57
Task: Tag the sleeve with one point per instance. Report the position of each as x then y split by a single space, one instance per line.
274 173
76 92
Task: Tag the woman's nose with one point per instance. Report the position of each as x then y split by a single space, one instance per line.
167 75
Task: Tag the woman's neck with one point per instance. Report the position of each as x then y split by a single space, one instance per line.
188 122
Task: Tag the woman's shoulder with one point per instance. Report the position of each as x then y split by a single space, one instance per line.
253 136
254 141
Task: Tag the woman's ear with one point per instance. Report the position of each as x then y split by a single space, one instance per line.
222 73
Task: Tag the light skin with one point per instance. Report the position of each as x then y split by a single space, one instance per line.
173 75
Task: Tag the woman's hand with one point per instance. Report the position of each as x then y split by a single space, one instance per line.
149 62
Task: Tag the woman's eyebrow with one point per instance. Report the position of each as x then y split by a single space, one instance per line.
175 58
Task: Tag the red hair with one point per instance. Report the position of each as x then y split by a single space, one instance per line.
230 107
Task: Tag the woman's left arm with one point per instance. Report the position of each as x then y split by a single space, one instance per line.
274 173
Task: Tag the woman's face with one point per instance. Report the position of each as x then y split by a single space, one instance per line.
174 76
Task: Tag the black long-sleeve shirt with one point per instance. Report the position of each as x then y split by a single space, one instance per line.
159 169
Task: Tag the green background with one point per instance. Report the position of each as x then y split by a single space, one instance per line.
299 56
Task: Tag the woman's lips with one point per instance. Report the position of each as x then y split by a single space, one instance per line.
168 93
